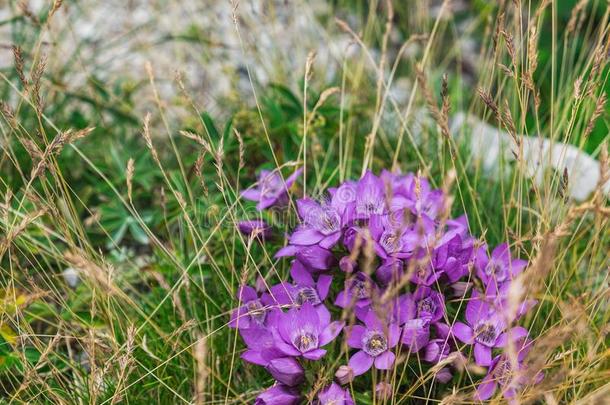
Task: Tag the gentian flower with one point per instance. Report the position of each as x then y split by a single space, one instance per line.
334 395
252 312
255 227
415 334
323 222
358 291
271 190
393 236
278 394
304 290
438 350
383 390
510 376
430 304
286 370
499 268
370 196
344 374
485 329
374 341
302 332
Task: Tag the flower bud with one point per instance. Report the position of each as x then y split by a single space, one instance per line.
344 375
383 391
347 264
255 228
460 288
286 370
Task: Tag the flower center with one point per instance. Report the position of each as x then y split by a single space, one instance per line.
502 372
329 222
426 306
256 311
390 242
307 294
360 289
494 269
374 343
485 333
305 341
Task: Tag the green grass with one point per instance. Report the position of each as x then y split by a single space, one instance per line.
156 248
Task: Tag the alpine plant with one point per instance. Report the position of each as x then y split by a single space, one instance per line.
380 271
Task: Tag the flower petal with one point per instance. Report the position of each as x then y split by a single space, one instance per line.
482 355
315 354
360 362
462 332
354 336
486 388
385 360
324 282
330 332
305 237
251 194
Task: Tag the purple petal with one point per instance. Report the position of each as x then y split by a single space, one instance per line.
416 333
288 250
354 336
331 240
292 178
475 310
393 335
360 362
462 332
330 332
306 237
514 335
251 194
324 282
246 293
486 388
482 355
254 357
315 354
385 360
315 257
307 315
300 275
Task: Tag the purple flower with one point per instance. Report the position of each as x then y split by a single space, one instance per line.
358 291
255 227
334 395
439 349
279 394
383 391
394 236
370 196
344 375
430 304
415 334
374 339
271 190
313 257
305 289
485 329
499 268
322 222
302 332
510 375
286 370
251 313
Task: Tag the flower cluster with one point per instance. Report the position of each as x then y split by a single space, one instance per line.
383 259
